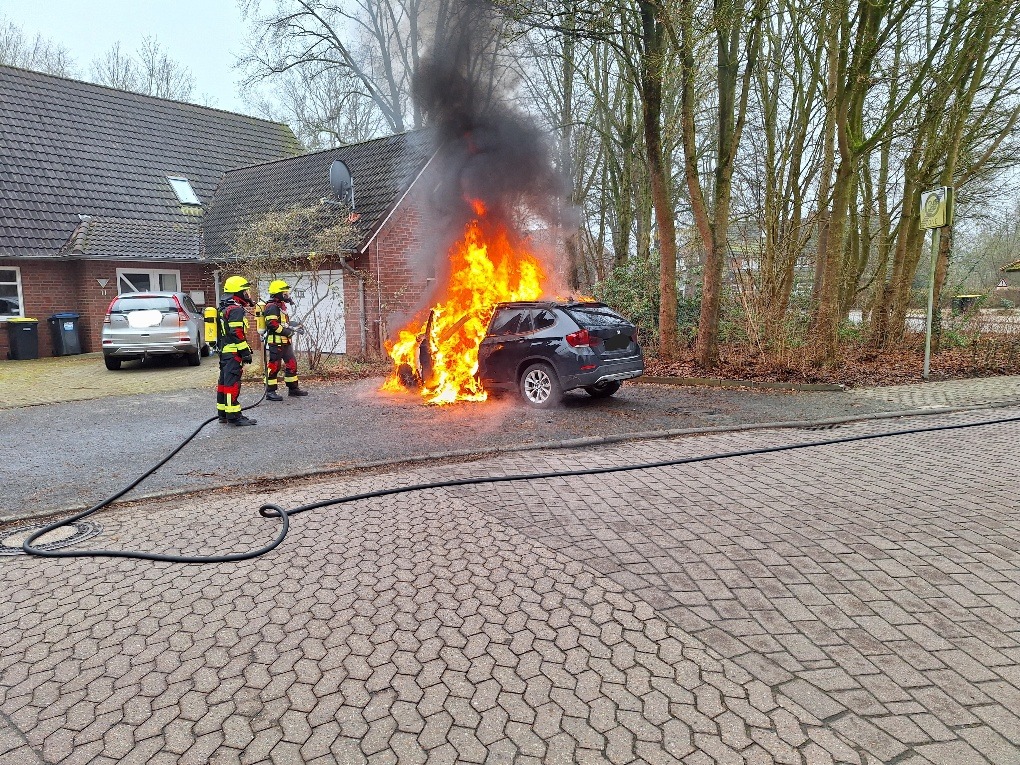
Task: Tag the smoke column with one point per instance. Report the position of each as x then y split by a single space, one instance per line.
486 148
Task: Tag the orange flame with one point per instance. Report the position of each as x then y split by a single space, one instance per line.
485 268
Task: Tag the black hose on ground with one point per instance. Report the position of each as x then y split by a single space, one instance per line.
270 510
27 546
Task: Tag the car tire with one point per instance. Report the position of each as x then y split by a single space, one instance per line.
111 363
206 351
194 359
603 390
540 387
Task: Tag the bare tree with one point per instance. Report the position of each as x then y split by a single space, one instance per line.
116 69
325 108
36 53
373 46
150 72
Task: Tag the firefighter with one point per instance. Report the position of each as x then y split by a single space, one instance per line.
279 333
234 349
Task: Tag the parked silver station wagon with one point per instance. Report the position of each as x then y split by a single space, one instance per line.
142 324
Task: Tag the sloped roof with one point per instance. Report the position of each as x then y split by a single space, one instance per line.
382 169
135 239
1010 267
70 148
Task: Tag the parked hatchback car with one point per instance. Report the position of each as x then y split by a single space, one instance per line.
142 324
543 349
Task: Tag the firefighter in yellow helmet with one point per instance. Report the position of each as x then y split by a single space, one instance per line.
279 335
234 349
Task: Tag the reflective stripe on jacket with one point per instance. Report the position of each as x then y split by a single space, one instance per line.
277 330
233 323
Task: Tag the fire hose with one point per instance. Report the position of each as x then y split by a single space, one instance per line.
271 510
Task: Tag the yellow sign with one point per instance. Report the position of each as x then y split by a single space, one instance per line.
937 207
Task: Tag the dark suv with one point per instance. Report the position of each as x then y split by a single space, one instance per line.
545 348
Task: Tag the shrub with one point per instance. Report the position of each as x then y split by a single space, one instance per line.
633 290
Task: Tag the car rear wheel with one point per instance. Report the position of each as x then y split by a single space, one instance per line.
111 363
194 359
603 390
540 387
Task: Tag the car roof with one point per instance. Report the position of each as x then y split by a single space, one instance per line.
148 294
551 304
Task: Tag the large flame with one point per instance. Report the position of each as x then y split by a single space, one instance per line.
485 268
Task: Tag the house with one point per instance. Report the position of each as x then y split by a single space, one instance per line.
1010 275
103 191
375 282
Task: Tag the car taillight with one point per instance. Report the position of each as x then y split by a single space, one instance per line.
109 310
579 339
182 315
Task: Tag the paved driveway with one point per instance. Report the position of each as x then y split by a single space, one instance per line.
55 456
78 378
854 603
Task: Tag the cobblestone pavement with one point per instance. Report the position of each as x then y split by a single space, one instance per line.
949 393
855 603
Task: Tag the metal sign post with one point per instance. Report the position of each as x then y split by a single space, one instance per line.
936 212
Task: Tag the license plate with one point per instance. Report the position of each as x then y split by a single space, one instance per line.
141 319
617 342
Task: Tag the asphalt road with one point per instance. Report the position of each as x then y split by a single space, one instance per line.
75 454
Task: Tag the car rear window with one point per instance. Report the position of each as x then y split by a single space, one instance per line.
596 317
158 303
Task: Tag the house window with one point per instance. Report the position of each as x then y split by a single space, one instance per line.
10 293
182 188
154 280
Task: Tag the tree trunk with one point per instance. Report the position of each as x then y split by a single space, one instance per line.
652 51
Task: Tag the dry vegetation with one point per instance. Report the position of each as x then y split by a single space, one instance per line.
857 365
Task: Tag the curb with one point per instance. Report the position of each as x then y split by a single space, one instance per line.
572 443
713 382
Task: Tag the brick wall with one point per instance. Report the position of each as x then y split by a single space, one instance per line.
50 287
401 264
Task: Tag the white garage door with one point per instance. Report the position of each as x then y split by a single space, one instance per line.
318 302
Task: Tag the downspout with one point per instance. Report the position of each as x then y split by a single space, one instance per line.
216 287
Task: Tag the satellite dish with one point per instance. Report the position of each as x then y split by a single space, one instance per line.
341 181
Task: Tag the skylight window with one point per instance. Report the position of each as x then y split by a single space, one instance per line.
182 188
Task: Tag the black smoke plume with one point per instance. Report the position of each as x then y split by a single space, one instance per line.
486 148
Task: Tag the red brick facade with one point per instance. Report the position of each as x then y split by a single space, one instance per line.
399 266
398 271
53 286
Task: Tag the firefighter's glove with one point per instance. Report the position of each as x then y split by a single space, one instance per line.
246 357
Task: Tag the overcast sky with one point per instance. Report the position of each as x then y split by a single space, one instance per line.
206 36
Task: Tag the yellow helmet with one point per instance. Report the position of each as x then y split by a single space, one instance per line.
278 286
235 284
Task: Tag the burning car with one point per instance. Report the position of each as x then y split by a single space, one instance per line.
493 327
543 349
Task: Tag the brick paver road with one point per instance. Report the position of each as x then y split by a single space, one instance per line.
854 603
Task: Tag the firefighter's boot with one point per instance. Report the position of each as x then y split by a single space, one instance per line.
242 420
272 395
296 391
